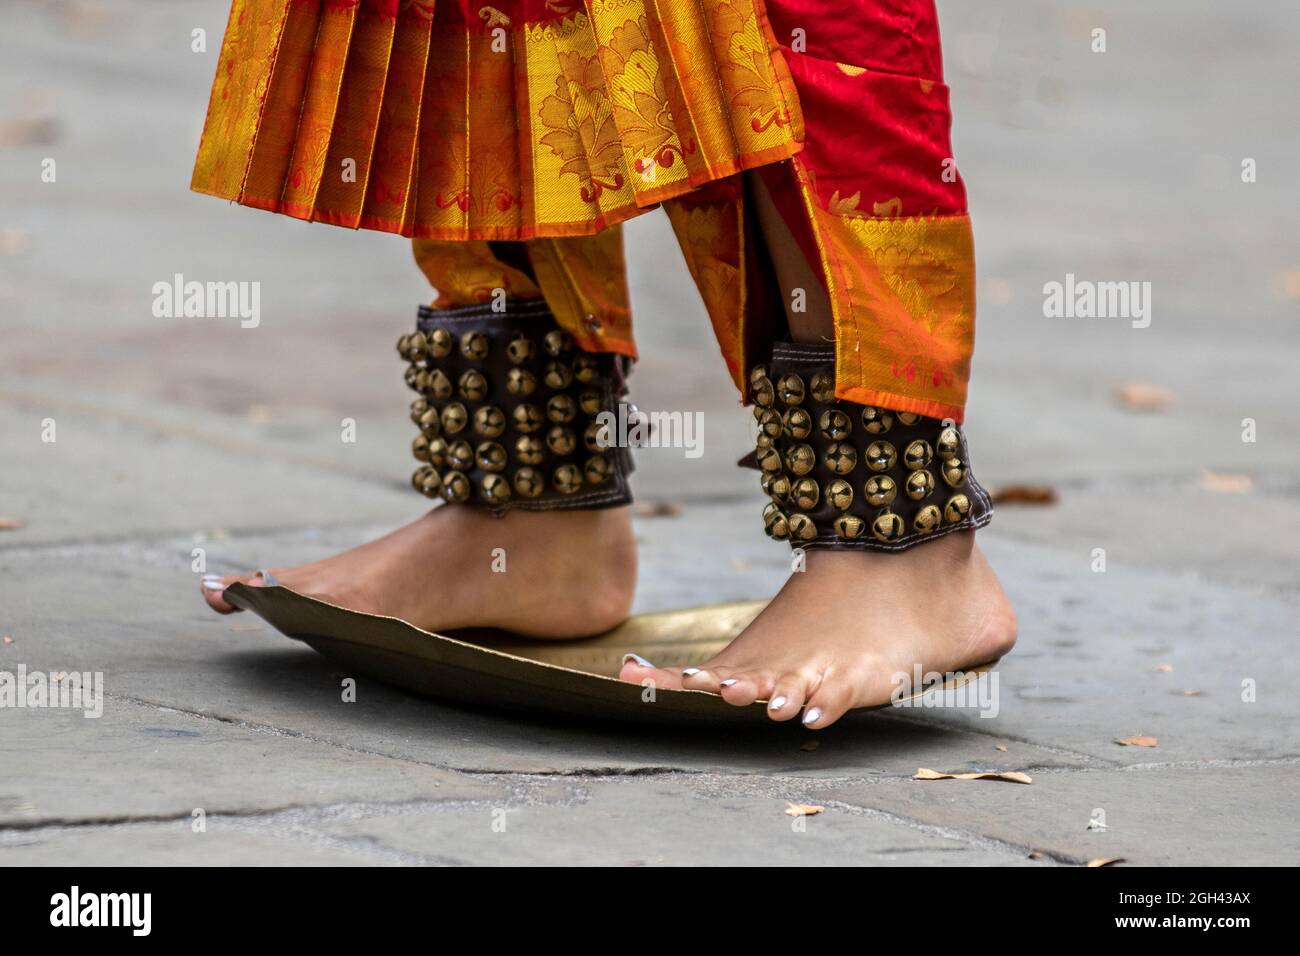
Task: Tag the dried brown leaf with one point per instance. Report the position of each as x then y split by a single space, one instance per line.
1191 692
801 809
1136 741
1010 776
1226 483
8 639
1106 861
1141 397
1001 747
34 131
1020 494
10 524
1163 668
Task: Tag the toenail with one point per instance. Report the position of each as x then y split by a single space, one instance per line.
812 716
776 703
690 671
214 585
211 577
640 661
730 681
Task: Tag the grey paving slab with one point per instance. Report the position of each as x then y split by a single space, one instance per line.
1159 815
141 761
674 821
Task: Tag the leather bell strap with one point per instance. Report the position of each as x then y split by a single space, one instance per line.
508 411
848 476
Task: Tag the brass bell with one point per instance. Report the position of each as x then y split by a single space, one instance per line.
567 479
790 389
822 386
455 487
769 459
416 349
489 421
557 343
763 393
954 472
590 401
420 448
430 423
454 418
776 525
413 377
920 485
909 418
474 345
520 350
418 408
802 528
849 526
597 470
558 375
438 385
460 456
840 458
762 441
805 493
473 386
530 449
800 460
585 369
880 491
561 408
835 425
881 456
797 423
957 508
917 455
528 418
431 485
418 476
778 487
560 440
521 382
528 482
769 422
927 519
876 421
494 489
757 374
490 456
438 343
839 495
948 444
402 341
438 453
594 438
888 527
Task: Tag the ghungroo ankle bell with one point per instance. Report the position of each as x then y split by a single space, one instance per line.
848 476
509 411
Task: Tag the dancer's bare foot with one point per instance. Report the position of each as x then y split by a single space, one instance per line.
567 573
838 632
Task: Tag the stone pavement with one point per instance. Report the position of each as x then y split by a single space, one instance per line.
177 434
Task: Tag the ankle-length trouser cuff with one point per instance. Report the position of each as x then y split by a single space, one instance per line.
508 411
849 476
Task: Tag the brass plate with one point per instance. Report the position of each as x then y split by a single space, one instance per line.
575 678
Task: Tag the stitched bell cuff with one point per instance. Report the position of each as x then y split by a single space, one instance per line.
854 477
507 411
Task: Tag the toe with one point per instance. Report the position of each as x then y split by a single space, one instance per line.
828 704
744 687
637 670
704 678
214 587
787 697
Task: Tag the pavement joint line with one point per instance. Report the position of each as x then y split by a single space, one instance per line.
1087 761
969 838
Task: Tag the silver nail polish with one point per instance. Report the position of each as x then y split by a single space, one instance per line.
690 671
728 682
812 716
641 661
211 577
214 585
776 703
